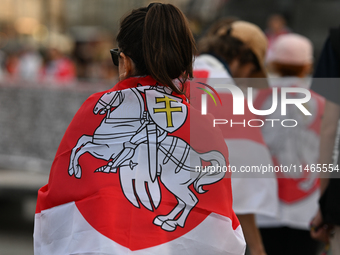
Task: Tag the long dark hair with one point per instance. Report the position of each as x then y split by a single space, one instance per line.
160 43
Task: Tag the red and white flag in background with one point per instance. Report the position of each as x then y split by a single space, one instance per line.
251 193
297 147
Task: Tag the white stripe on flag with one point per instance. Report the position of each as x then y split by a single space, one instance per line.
62 230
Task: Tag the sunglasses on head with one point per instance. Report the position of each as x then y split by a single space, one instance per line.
115 56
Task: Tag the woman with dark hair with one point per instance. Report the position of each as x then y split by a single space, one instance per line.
128 176
165 53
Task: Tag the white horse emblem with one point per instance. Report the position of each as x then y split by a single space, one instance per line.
134 139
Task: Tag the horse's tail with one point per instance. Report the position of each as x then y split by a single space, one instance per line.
212 174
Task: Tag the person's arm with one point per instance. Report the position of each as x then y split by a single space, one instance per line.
251 234
329 126
328 132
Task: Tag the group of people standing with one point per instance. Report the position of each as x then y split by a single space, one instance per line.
159 204
275 211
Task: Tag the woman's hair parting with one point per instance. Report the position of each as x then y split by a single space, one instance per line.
160 43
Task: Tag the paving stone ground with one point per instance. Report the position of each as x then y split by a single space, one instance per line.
18 191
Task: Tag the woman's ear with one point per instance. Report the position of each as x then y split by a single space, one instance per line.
126 67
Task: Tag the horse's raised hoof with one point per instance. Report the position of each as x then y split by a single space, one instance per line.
77 174
168 226
71 171
157 221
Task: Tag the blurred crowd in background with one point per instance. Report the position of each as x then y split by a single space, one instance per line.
65 42
54 58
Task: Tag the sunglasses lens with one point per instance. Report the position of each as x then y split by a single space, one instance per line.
115 56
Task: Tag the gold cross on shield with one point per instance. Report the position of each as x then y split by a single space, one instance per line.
168 109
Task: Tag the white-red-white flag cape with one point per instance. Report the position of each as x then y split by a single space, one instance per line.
297 147
251 193
125 180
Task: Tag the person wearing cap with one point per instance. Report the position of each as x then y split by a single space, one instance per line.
291 59
292 56
240 48
234 52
